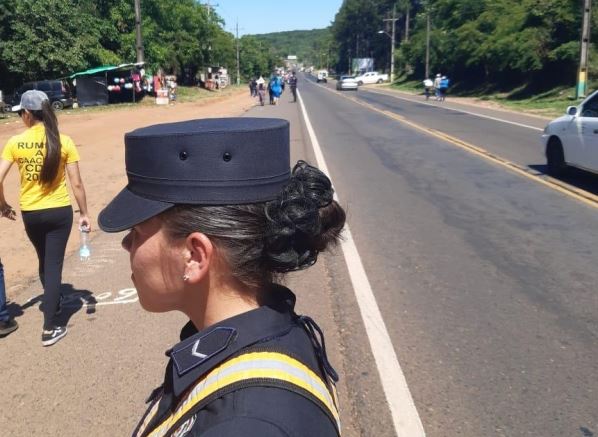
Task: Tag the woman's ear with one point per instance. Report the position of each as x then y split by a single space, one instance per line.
199 252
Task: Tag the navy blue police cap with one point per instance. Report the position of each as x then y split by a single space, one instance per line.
217 161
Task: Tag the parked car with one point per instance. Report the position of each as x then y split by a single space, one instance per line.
322 76
572 139
346 83
371 77
58 92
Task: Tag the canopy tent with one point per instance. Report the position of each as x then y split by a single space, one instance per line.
92 86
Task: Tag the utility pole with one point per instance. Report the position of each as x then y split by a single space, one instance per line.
393 20
582 77
407 15
139 42
238 65
427 43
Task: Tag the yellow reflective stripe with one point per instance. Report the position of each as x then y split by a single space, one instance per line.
148 417
253 365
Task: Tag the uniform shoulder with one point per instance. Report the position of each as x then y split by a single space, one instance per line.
245 426
280 412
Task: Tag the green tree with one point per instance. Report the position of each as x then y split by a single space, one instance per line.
44 39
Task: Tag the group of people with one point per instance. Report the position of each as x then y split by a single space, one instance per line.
275 87
439 86
213 222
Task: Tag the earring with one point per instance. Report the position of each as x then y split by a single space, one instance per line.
185 278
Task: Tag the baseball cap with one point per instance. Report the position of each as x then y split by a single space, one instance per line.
217 161
31 100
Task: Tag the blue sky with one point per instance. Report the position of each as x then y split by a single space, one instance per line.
258 16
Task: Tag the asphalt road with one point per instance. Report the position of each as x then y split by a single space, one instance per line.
486 279
513 137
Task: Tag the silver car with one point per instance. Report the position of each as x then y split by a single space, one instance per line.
346 83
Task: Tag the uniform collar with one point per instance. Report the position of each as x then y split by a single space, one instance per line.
200 351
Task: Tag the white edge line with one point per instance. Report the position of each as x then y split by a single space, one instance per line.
406 420
460 110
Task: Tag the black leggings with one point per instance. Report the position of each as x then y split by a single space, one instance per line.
49 230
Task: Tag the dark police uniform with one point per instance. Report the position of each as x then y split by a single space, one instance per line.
249 406
263 373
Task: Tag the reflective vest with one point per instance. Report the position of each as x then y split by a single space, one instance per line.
256 368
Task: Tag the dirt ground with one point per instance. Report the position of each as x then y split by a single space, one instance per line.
99 136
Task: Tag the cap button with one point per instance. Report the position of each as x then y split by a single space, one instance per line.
227 156
183 156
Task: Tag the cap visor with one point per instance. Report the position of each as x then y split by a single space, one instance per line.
127 210
16 108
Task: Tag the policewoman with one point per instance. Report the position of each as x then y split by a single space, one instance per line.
216 217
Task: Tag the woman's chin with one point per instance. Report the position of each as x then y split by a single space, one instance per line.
152 306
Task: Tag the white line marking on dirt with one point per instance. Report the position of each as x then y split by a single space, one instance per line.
406 420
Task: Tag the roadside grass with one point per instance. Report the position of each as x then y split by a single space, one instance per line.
551 103
185 94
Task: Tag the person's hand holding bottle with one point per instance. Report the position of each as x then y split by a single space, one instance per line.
84 223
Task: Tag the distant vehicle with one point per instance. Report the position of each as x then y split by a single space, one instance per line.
322 76
371 77
58 92
572 139
346 83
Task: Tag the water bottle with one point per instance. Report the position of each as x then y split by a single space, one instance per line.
84 250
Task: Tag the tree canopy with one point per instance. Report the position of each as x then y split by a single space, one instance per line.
504 42
47 39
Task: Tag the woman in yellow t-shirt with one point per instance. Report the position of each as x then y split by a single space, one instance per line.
44 157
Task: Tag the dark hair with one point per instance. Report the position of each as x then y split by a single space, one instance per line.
53 145
262 240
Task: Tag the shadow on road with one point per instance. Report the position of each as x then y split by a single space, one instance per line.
73 300
578 178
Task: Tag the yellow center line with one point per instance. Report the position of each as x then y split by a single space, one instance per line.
555 184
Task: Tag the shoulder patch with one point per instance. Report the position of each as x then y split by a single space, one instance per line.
195 350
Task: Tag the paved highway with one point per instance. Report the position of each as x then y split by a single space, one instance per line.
486 279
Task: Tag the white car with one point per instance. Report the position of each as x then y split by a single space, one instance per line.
322 76
572 139
371 77
346 83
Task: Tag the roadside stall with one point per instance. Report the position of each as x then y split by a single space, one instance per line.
110 84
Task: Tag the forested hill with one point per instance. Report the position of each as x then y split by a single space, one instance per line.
308 45
507 43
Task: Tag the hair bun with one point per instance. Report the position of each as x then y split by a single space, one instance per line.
303 220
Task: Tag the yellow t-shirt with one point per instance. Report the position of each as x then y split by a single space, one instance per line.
28 151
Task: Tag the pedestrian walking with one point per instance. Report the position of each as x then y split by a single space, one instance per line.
7 323
437 80
293 85
215 220
270 92
44 157
428 85
276 87
261 92
443 88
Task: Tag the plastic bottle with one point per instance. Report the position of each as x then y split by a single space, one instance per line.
84 249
